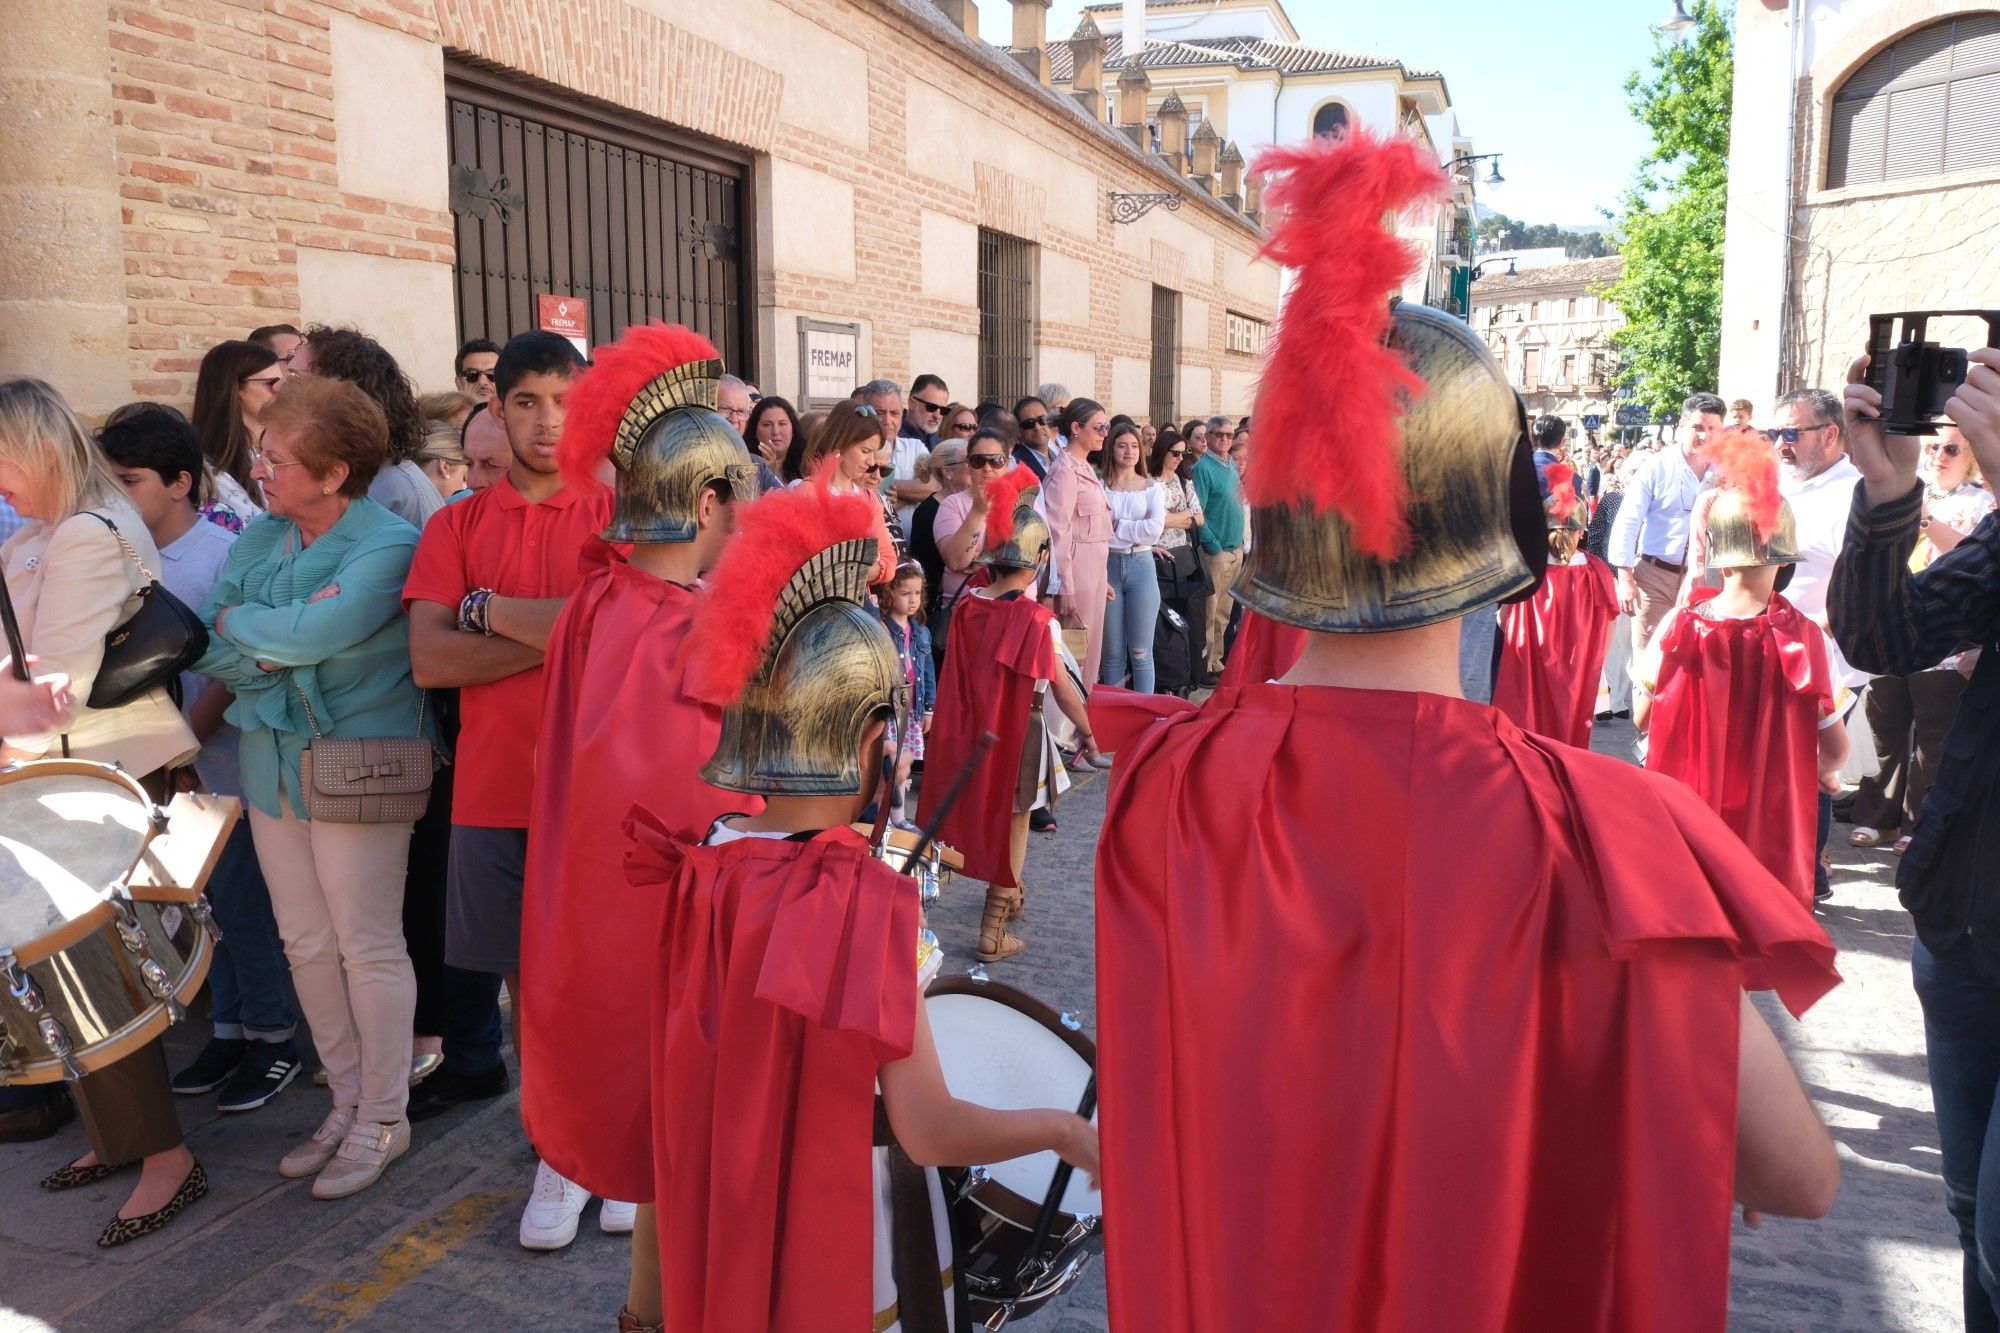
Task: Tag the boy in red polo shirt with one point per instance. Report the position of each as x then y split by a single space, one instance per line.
489 579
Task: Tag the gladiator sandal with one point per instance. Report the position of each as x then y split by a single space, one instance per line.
994 941
629 1322
1017 906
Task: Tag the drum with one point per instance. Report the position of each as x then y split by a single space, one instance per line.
1003 1048
92 966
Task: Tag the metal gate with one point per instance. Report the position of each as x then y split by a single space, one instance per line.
1166 356
565 201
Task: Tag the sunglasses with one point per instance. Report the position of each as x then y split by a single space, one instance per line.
268 381
475 376
1176 453
928 406
1939 447
994 461
1033 423
1788 434
963 428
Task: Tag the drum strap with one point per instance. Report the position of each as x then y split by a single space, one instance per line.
912 1238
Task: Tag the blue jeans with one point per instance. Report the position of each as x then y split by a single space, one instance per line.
1129 621
1962 1040
249 983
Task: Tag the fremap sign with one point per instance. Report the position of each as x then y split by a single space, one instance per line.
829 361
567 315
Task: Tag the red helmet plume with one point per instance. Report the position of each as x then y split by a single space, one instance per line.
617 373
1743 459
1333 391
1004 494
1561 478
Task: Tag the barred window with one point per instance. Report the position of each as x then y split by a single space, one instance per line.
1927 103
1006 316
1166 354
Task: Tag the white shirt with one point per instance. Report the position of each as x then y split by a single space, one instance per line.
1138 518
1654 517
903 456
1820 506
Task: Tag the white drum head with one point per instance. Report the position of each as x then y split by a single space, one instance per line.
997 1056
65 838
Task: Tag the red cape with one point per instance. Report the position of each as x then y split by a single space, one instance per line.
1265 650
998 651
1457 1056
1736 717
614 723
787 977
1552 652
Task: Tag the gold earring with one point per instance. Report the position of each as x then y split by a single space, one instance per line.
326 490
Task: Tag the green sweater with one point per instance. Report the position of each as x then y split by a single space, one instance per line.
1220 491
330 619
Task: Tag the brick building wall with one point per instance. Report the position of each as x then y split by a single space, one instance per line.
284 161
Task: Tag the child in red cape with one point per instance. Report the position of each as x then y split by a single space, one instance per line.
1552 645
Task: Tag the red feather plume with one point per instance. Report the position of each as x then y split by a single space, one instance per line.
1743 459
617 373
1005 496
1562 489
1333 393
775 535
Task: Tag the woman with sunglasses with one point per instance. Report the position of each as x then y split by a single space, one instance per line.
237 381
958 424
1911 714
1178 559
1079 515
959 527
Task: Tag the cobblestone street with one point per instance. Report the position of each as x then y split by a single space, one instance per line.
434 1246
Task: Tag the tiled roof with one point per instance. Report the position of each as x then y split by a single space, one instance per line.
1589 274
1242 52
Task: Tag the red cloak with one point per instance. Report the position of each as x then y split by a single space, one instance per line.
1461 1055
614 721
1736 715
1552 652
998 650
1265 650
787 977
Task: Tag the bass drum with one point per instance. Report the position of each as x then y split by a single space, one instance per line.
1003 1048
91 967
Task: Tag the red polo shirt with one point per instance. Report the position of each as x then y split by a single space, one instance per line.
499 540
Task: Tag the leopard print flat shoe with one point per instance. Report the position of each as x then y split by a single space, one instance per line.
123 1229
71 1176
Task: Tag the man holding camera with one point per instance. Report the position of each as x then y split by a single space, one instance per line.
1890 621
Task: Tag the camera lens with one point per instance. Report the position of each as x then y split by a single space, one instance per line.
1951 365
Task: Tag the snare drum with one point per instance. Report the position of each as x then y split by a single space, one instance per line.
91 966
1003 1048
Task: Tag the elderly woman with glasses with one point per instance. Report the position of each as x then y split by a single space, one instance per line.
1911 714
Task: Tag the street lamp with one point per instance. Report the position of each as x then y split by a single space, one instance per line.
1496 259
1678 23
1493 177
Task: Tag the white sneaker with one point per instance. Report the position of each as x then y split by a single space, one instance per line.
364 1154
615 1218
554 1205
307 1159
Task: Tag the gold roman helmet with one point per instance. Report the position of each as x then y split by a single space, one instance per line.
1017 536
1733 542
1395 486
648 403
789 650
1473 509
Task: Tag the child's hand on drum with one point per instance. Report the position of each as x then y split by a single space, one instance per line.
1079 1147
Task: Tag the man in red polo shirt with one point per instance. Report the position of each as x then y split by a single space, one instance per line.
488 581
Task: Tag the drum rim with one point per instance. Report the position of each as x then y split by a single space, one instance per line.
78 928
903 840
148 1024
992 1197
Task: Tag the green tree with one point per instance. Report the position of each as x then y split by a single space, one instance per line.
1671 217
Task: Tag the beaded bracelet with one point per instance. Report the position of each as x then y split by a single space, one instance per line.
472 612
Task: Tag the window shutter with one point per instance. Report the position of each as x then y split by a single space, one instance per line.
1927 103
1972 122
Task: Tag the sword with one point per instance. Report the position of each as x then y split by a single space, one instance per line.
15 647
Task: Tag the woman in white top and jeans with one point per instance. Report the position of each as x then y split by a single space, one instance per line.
1138 520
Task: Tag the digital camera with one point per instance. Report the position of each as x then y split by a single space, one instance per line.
1917 378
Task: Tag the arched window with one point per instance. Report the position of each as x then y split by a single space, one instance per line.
1927 103
1330 120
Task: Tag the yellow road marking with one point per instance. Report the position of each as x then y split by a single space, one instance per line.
406 1258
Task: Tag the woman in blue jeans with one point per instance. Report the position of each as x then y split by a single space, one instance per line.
1138 519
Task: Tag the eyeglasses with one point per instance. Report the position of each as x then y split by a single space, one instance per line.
928 406
1033 423
471 376
258 458
991 461
268 381
1939 447
1101 428
1788 434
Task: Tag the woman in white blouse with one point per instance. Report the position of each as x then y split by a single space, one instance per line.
1138 520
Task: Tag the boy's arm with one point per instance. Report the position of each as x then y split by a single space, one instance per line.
1785 1161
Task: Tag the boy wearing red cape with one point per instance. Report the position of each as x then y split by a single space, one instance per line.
1552 645
1000 676
1735 692
1472 1052
616 720
786 986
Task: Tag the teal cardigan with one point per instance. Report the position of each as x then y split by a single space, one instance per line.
330 619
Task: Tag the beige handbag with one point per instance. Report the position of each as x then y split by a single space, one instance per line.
366 779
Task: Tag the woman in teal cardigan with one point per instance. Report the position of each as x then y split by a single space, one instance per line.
307 629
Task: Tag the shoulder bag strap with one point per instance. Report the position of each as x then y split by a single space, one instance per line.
130 554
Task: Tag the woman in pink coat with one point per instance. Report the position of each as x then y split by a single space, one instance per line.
1079 514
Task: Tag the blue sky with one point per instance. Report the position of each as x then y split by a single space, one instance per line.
1541 81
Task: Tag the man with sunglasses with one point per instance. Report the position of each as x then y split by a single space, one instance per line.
1037 448
476 362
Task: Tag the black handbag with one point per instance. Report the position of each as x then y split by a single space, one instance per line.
155 644
1180 574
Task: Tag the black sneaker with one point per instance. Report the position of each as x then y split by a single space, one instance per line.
445 1089
212 1068
267 1067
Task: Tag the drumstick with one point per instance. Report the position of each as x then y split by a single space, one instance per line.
1059 1186
15 647
928 833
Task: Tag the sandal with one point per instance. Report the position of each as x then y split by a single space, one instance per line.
995 943
1901 845
1865 837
